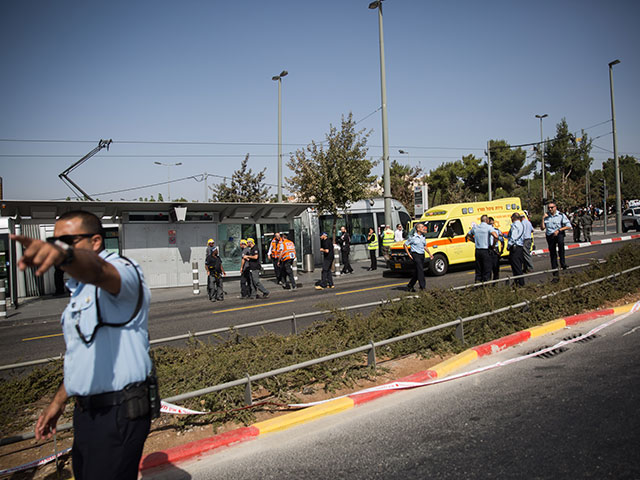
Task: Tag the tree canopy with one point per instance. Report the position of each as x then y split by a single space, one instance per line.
333 173
245 186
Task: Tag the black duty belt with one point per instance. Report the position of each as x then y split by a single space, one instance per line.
110 399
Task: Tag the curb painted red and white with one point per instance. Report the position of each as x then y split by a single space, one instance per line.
626 238
439 371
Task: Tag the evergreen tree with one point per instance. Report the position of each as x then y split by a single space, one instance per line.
245 186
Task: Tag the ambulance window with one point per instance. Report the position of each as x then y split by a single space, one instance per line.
454 228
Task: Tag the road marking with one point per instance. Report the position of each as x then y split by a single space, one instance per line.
583 253
44 336
372 288
252 306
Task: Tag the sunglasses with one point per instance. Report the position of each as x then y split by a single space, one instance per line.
70 240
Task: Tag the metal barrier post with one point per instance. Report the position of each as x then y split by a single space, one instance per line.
294 325
196 281
371 355
460 330
3 299
336 260
248 398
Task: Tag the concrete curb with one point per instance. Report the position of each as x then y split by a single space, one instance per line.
588 244
441 370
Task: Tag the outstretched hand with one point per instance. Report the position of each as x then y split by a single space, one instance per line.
37 253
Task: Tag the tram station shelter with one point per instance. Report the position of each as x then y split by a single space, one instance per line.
165 238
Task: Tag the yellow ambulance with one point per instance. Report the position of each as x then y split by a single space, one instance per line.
447 226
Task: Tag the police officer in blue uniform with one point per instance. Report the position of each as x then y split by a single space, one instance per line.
416 246
555 224
483 234
107 367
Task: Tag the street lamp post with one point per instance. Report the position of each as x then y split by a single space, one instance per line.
278 78
615 152
544 179
385 129
168 165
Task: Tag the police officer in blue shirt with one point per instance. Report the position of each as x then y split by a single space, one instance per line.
555 224
483 235
496 248
515 246
107 367
416 246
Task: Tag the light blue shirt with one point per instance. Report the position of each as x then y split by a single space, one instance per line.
417 243
500 238
516 234
482 235
117 356
555 222
528 229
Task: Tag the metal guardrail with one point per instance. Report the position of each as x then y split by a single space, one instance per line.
370 349
287 318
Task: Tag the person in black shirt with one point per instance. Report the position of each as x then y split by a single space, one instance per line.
215 271
253 257
326 247
344 240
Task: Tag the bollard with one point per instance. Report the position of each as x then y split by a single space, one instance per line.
294 267
371 355
3 299
196 281
336 260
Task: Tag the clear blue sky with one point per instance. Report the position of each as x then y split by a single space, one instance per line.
458 74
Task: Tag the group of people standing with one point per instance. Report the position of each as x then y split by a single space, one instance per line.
282 253
490 244
582 223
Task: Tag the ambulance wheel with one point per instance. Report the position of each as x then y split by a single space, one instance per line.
439 264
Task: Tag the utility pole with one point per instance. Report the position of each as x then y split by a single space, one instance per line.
489 167
615 152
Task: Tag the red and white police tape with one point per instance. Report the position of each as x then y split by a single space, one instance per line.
588 244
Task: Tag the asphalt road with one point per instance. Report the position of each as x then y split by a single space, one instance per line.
573 415
41 337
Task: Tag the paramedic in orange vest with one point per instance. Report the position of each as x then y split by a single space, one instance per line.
287 256
274 255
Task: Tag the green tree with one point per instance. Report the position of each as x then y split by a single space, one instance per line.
509 168
402 179
568 156
336 175
630 173
160 198
245 186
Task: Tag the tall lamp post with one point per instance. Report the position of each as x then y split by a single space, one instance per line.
278 78
615 152
385 129
168 165
544 179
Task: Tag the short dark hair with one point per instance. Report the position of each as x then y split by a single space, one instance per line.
90 222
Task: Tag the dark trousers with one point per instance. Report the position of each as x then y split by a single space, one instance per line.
556 247
526 254
287 273
484 265
255 284
214 287
277 269
495 264
576 233
106 445
245 281
516 258
418 274
346 265
374 262
327 277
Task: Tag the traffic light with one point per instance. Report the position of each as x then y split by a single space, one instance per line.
603 190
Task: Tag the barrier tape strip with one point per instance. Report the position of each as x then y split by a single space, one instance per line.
35 463
407 385
588 244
